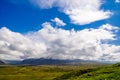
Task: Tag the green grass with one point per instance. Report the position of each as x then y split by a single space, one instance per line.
29 73
111 72
47 72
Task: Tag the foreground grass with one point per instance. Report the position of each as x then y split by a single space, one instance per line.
29 73
46 72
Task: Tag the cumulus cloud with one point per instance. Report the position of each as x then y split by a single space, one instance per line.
109 27
111 52
57 43
84 44
15 46
81 12
58 22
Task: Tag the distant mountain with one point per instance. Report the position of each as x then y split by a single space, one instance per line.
43 61
13 62
1 62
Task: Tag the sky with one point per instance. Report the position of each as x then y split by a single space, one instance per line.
60 29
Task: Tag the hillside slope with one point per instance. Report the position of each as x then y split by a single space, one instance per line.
111 72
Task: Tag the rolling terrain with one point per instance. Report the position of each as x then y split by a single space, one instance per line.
111 72
51 72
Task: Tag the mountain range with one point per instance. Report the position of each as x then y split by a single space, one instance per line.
1 62
50 61
43 61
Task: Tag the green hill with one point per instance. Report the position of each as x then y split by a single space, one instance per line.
111 72
47 72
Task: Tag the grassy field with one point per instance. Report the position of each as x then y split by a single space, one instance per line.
47 72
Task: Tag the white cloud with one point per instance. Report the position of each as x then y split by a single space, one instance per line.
109 27
82 17
15 46
84 44
117 1
81 12
57 43
111 52
58 22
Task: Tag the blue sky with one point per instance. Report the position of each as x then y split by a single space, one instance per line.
52 26
21 16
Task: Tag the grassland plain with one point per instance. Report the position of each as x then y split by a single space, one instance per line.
47 72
